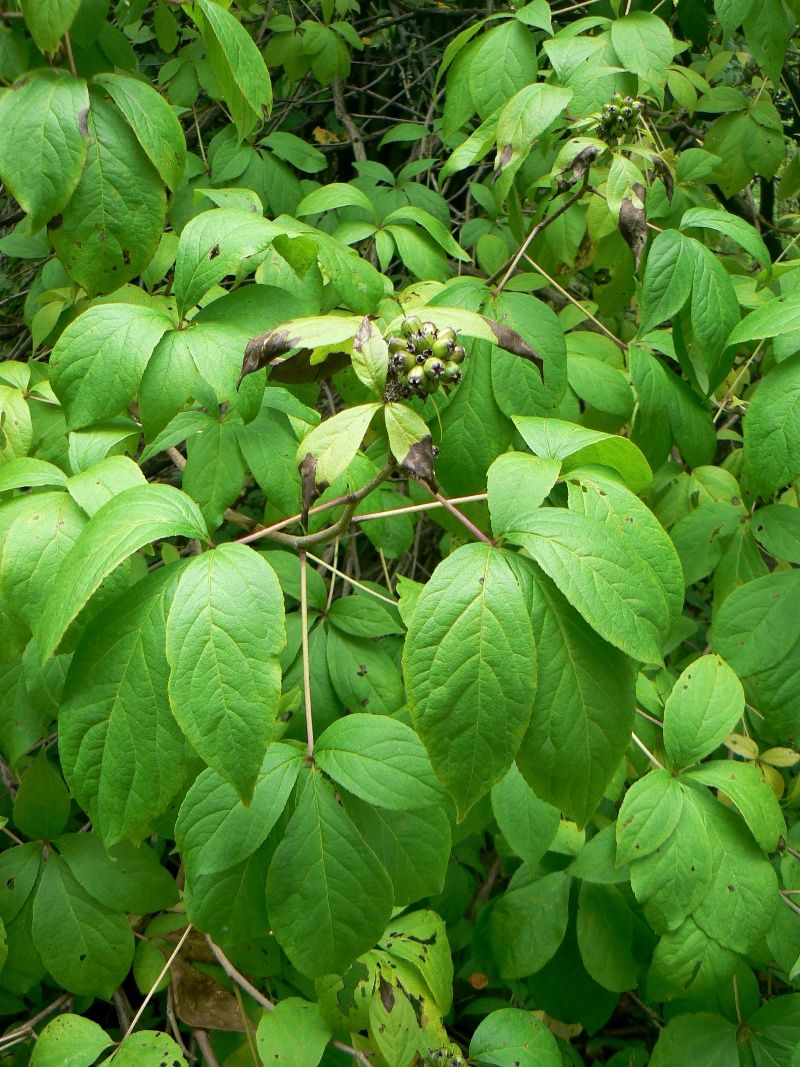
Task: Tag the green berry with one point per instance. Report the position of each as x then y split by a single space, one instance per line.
409 360
458 355
448 335
410 325
441 349
626 112
397 344
415 378
434 368
452 372
428 331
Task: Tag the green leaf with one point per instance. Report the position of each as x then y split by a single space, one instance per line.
517 486
741 901
775 1031
331 197
687 961
668 278
96 485
19 868
413 846
420 938
731 13
317 905
293 1035
363 675
128 877
27 472
643 44
731 226
44 142
469 668
230 905
49 20
605 937
578 446
42 803
214 244
334 443
757 625
121 749
237 65
224 633
705 704
596 572
370 357
393 1024
649 814
514 1038
406 431
85 947
527 924
432 226
380 760
521 121
676 876
362 616
122 526
110 229
527 823
601 498
768 29
583 710
148 1048
772 429
775 527
69 1041
714 311
699 1038
215 470
98 361
773 319
153 121
214 830
744 784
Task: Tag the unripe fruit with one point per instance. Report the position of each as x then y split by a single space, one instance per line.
409 360
420 357
410 325
434 368
458 355
626 112
396 344
415 377
428 331
448 335
441 349
397 362
452 373
420 343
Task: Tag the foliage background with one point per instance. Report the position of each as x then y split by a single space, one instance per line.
551 811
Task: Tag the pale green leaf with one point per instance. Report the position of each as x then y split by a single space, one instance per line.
649 813
293 1035
510 1037
69 1041
334 443
149 1048
44 141
517 486
406 430
744 784
49 20
705 704
152 120
122 526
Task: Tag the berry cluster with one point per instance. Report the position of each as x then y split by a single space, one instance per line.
620 118
441 1057
424 357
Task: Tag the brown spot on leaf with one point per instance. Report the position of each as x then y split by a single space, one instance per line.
502 161
214 252
363 334
56 221
386 993
101 236
262 349
83 125
299 368
126 256
665 174
419 460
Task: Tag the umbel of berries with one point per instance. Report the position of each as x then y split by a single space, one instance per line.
620 118
424 357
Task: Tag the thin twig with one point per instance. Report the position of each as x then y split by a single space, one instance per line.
306 660
25 1030
343 115
348 578
429 505
265 1002
637 741
177 458
155 984
70 57
203 1043
465 522
537 229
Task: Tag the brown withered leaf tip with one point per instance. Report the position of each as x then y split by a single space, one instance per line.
633 224
512 342
263 349
308 483
503 159
363 334
665 174
578 168
419 460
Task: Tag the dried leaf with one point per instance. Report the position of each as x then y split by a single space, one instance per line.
202 1003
